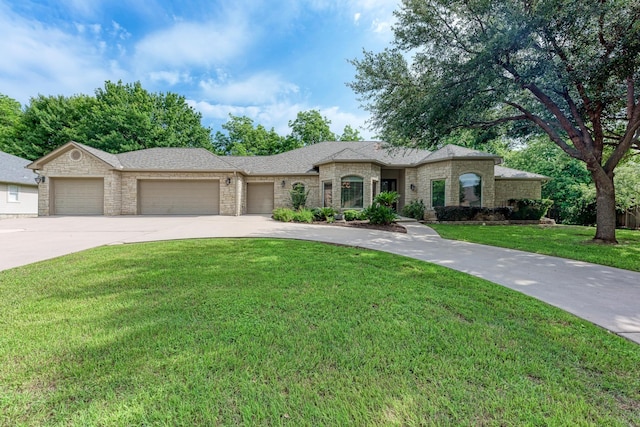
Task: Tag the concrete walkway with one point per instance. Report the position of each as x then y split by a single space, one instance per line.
606 296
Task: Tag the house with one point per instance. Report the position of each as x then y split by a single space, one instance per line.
18 188
81 180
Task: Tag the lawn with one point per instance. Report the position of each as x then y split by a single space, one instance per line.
572 242
280 332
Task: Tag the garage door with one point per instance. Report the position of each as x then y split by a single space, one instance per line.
259 197
179 197
81 196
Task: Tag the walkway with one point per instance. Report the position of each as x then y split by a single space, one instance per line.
606 296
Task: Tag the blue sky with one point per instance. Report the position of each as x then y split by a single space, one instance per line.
263 59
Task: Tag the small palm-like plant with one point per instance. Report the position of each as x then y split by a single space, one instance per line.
387 198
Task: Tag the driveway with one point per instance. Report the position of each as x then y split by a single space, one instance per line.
606 296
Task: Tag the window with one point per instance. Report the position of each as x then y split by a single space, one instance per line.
437 193
327 195
352 195
470 190
13 194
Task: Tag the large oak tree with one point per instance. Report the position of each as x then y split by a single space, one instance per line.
568 69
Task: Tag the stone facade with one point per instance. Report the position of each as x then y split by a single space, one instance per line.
121 185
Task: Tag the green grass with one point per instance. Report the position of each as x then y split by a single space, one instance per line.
277 332
571 242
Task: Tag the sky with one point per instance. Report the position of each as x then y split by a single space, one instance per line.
265 59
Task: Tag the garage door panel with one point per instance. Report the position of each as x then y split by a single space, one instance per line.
179 197
78 196
259 197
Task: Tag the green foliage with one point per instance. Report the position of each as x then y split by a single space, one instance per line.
324 214
350 134
303 215
10 112
243 138
298 196
568 176
415 210
283 214
526 67
51 121
471 213
379 214
353 215
386 198
627 181
529 209
310 127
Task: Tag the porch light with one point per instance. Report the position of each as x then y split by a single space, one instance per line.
413 187
39 179
228 181
283 183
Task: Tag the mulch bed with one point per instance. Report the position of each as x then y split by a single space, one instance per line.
396 228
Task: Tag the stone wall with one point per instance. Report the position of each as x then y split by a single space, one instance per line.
517 189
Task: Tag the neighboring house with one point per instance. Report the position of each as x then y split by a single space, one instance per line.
82 180
18 188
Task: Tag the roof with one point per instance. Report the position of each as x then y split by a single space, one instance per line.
508 173
301 161
13 170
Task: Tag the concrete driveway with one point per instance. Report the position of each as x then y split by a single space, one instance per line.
605 296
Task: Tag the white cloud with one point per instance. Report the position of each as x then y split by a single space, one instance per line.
39 59
170 77
192 44
260 88
356 18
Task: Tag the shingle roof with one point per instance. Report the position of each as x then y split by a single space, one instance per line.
503 172
108 158
456 152
12 170
171 158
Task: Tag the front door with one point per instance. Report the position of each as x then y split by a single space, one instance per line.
390 185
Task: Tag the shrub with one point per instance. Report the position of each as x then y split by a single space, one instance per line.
323 214
414 210
298 196
529 209
283 214
380 214
352 215
303 215
471 213
386 198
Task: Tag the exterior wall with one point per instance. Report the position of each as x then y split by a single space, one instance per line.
87 167
334 172
409 195
27 204
517 189
425 174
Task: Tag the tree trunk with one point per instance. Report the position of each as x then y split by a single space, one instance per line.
606 209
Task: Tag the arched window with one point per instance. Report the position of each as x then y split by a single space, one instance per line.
352 194
470 190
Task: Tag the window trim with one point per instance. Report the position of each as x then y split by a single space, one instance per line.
324 193
480 183
358 180
444 191
13 193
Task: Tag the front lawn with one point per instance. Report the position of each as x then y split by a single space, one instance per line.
274 332
572 242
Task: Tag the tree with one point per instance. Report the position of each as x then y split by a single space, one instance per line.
10 112
567 69
568 175
350 134
127 117
243 138
310 127
49 122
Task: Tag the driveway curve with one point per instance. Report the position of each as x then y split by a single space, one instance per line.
606 296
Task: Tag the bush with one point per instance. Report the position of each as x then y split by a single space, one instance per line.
303 215
529 209
298 196
324 214
414 210
380 214
283 214
471 213
352 215
386 198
